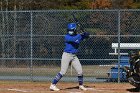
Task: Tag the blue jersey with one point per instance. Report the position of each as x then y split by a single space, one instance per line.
72 43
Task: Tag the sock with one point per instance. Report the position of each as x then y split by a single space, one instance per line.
80 79
57 78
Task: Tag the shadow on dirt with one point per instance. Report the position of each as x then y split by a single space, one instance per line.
134 90
76 87
71 88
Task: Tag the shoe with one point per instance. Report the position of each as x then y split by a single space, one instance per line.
54 88
82 87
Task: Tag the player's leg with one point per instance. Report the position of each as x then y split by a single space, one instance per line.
77 66
66 59
64 66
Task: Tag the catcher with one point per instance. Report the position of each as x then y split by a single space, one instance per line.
133 72
72 41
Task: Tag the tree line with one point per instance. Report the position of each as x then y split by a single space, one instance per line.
68 4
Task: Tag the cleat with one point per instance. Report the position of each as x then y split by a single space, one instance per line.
54 88
82 87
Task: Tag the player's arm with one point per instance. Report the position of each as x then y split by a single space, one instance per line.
85 35
75 39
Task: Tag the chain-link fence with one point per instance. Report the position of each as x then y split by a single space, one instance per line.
32 43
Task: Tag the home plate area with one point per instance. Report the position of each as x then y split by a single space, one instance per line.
65 87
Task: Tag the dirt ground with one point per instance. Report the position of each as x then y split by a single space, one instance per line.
66 87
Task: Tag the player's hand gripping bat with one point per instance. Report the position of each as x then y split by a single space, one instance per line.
85 34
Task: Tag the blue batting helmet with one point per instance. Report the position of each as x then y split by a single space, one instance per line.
71 26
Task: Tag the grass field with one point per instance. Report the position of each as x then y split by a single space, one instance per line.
66 87
88 70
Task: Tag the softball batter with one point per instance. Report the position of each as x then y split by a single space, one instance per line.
72 41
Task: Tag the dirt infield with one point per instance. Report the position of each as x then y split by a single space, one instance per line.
66 87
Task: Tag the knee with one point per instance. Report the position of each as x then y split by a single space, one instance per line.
80 73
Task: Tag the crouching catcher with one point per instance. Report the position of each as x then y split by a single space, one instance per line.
133 72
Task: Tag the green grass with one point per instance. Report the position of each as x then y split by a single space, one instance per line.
89 70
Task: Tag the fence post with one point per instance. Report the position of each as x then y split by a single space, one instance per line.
118 46
31 44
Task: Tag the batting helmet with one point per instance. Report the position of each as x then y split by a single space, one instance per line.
71 26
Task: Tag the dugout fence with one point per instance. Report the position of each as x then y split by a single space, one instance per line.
32 42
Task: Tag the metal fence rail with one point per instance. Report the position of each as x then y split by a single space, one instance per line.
32 42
